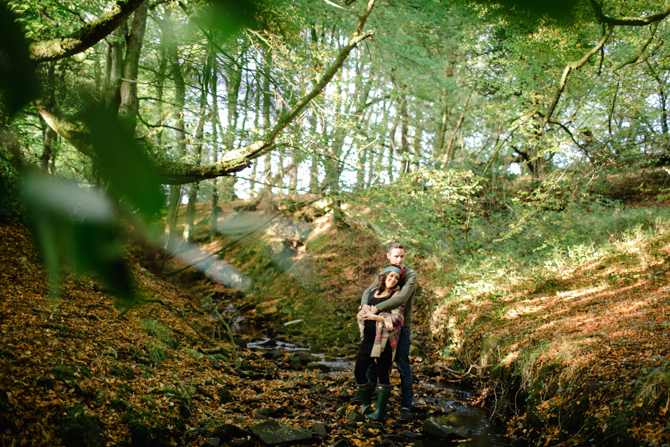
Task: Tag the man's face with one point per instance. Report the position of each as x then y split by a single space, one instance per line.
396 256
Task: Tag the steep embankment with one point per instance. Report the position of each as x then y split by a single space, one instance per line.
579 352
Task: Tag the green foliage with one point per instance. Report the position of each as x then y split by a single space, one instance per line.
425 209
228 16
11 208
79 226
18 81
162 340
123 164
82 430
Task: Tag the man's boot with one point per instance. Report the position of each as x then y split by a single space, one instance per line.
365 394
383 394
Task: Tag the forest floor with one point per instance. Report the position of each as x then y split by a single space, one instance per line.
84 371
576 358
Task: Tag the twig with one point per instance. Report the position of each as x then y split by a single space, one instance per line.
175 312
230 333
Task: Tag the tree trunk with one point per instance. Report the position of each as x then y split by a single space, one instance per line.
114 72
167 29
197 152
404 135
129 103
213 222
267 61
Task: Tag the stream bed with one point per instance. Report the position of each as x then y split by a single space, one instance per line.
447 401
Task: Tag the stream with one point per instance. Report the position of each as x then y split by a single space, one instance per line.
450 398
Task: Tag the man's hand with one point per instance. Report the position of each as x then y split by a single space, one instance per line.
363 313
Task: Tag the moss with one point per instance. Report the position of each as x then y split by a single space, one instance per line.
124 372
81 430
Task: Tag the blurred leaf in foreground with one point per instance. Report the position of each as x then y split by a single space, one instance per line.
18 81
227 16
77 225
123 163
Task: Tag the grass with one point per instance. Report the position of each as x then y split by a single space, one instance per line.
559 327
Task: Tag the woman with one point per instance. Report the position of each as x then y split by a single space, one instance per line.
379 338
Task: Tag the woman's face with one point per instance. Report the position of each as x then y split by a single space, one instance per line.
392 279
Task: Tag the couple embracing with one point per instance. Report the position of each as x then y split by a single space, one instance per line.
384 320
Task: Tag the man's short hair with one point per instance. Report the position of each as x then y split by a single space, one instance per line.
393 245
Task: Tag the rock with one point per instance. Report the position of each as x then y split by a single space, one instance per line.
409 435
295 364
224 395
318 389
212 442
249 442
215 363
228 431
368 433
341 411
272 369
433 427
319 366
274 432
319 430
356 416
339 443
320 377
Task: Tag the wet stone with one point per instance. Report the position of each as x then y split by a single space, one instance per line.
355 416
295 365
339 443
227 431
319 430
224 395
341 411
319 366
274 432
212 442
318 389
433 427
215 363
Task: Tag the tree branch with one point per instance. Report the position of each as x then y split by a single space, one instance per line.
629 21
574 65
86 37
176 173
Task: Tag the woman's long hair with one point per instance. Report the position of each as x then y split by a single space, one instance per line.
381 284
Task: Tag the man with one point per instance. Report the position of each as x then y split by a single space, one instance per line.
396 256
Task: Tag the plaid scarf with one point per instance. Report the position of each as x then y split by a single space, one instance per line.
382 335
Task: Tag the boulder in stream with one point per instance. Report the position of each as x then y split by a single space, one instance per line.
273 432
433 427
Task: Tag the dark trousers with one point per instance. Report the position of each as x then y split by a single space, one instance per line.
364 361
404 369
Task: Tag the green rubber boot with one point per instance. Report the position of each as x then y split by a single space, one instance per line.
365 394
383 394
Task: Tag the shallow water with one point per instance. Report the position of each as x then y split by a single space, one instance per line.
449 397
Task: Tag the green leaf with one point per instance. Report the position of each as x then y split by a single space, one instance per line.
227 16
123 163
77 225
18 81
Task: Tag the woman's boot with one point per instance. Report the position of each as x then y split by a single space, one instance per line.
383 393
365 394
